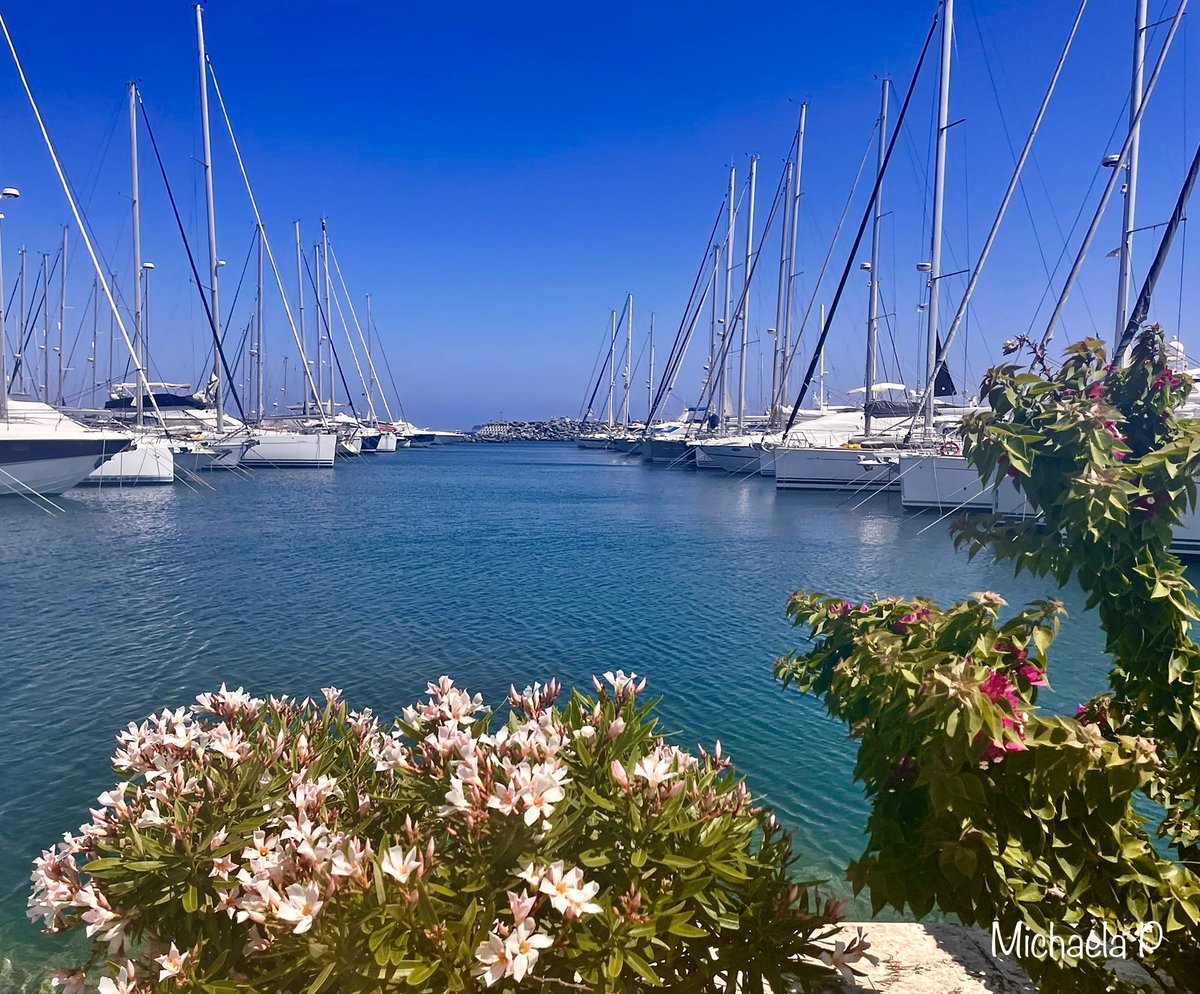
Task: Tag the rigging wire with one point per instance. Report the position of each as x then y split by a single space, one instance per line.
191 260
862 227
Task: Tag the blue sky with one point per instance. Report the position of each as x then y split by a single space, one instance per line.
499 177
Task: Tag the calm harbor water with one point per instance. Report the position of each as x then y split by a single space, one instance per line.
492 563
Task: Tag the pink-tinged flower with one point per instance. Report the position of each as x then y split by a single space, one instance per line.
223 867
523 945
494 963
842 956
1034 675
400 865
300 906
655 769
171 963
71 981
541 796
1096 390
569 894
521 904
125 982
505 797
532 875
332 695
616 727
1112 429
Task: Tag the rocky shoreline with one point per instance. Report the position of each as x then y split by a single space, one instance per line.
555 430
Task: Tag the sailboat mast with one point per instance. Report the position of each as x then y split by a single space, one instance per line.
136 209
821 358
95 338
939 184
1125 277
371 370
212 218
628 356
793 243
873 305
62 318
258 329
300 293
722 350
328 316
650 376
741 414
612 363
21 339
46 327
780 290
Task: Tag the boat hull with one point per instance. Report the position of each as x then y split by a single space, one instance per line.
929 482
51 466
733 457
148 462
834 469
387 442
291 450
668 450
594 443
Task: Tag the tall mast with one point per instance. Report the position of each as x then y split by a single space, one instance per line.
62 317
258 328
939 183
95 337
741 413
650 376
781 291
328 315
21 339
612 364
371 369
628 356
821 357
136 208
793 243
722 351
300 293
46 327
1125 277
212 217
873 305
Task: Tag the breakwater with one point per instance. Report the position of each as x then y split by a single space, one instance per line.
555 430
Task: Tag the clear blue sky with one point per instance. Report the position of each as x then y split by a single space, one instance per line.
499 176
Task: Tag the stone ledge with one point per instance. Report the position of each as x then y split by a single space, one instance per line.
938 958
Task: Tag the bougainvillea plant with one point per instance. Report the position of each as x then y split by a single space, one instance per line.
983 806
277 845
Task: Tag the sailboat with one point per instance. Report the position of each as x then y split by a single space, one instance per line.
868 454
274 445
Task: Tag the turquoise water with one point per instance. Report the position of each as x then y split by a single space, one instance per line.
492 563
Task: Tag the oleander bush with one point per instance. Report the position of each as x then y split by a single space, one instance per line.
982 805
277 845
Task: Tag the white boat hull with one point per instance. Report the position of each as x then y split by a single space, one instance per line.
835 469
44 476
387 442
290 449
593 443
942 483
148 462
733 457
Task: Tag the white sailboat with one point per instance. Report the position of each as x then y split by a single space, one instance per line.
872 458
42 451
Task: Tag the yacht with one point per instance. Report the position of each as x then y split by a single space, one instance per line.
42 451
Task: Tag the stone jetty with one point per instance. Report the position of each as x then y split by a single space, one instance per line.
555 430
